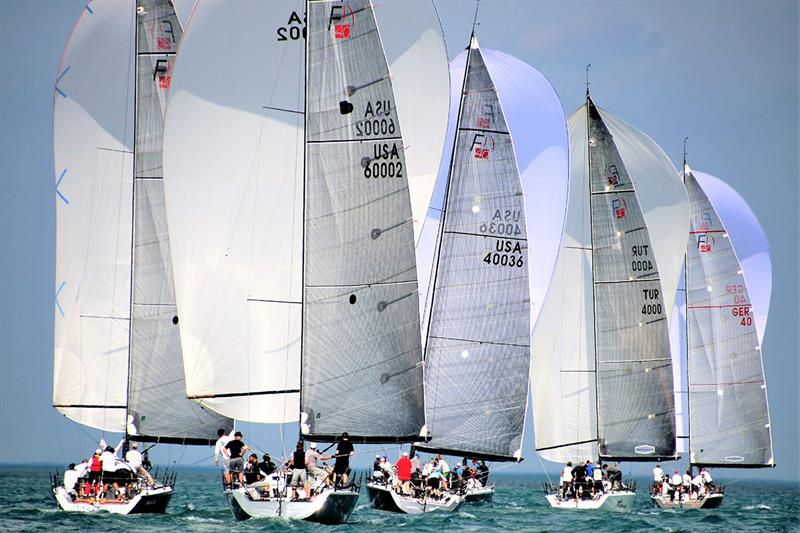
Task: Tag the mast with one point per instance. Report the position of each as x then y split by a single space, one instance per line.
133 213
686 314
591 262
303 215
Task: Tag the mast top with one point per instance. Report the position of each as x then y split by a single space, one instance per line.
686 168
587 80
475 18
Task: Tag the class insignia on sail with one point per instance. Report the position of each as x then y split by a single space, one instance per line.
117 357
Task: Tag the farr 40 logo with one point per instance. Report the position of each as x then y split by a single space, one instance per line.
482 146
342 19
618 208
705 243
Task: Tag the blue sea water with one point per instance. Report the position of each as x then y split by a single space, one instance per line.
519 505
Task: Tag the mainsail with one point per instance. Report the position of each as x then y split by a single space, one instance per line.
477 352
728 412
261 253
361 355
117 350
603 383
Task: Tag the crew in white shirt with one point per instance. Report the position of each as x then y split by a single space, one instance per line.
134 459
658 474
71 479
218 447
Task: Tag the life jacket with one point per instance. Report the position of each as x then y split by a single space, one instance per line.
97 465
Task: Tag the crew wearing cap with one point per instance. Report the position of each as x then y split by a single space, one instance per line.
312 455
344 449
134 460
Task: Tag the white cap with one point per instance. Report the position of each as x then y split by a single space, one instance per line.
98 450
405 454
312 445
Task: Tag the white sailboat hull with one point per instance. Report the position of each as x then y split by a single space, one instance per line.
149 500
709 501
330 507
479 495
608 501
384 498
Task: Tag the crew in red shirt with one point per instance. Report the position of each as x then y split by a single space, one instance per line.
403 466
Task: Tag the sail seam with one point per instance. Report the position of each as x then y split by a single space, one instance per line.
371 139
236 394
485 131
265 300
481 342
487 236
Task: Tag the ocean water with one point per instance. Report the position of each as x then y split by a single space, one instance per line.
519 505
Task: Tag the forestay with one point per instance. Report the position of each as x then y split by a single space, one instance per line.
729 419
477 354
361 353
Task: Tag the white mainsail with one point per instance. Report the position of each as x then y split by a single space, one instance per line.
603 378
725 411
477 355
236 198
117 355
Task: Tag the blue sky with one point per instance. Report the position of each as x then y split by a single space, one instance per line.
725 74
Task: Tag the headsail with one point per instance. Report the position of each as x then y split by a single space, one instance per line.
121 220
361 353
728 412
477 353
93 195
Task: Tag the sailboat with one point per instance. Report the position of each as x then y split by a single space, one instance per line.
292 216
478 305
117 359
721 391
602 371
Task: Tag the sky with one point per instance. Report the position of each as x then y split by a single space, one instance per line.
725 74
